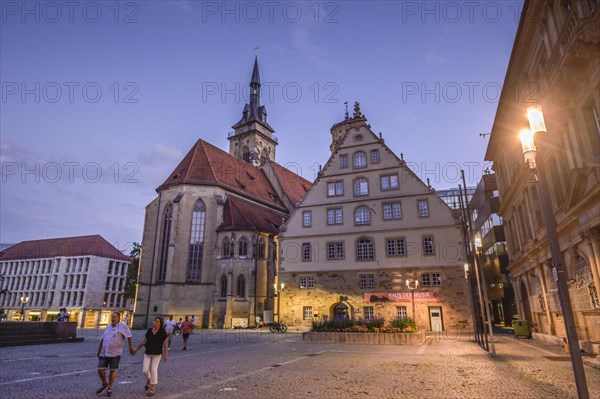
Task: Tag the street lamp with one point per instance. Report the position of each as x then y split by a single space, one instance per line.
24 300
412 287
559 274
278 295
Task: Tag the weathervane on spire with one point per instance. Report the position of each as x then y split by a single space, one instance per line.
256 51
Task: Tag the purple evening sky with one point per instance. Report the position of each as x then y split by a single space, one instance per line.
101 100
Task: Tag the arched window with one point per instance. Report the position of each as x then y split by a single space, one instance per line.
223 286
364 249
227 248
243 247
194 270
241 286
361 186
261 248
164 243
362 215
246 154
584 294
360 160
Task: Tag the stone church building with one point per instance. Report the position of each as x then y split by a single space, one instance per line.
210 236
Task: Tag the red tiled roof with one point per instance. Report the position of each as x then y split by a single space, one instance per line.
68 246
207 164
239 214
294 186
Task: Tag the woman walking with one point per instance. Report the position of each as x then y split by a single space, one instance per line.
155 342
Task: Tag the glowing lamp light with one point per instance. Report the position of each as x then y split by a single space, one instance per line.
536 119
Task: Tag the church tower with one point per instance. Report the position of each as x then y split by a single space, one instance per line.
253 139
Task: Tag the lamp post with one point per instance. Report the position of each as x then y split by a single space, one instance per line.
24 300
559 274
278 295
412 287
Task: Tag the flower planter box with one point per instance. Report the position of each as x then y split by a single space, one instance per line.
366 338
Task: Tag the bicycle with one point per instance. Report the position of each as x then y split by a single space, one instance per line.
278 327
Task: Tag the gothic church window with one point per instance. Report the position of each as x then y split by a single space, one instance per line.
194 270
164 244
241 287
223 286
243 247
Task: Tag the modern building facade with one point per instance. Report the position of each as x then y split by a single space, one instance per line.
371 240
85 274
555 63
493 258
210 236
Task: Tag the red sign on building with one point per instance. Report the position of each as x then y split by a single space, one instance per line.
401 297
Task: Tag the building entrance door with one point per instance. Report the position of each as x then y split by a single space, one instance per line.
435 318
340 312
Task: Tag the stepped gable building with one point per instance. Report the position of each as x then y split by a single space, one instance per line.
556 52
371 240
210 236
85 274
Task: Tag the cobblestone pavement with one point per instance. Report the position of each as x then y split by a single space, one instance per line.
245 364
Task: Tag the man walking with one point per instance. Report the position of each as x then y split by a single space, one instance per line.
110 351
186 328
170 329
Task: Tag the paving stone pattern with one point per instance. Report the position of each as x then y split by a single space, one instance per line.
235 364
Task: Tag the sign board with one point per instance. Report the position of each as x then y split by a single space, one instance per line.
419 296
239 323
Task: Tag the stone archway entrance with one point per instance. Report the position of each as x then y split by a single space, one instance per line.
340 312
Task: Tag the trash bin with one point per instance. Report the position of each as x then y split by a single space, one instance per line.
521 329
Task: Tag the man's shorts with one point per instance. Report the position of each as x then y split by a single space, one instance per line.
186 336
106 362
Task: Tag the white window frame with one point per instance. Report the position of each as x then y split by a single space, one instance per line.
307 313
389 182
423 208
307 219
361 187
335 216
401 312
369 313
307 282
306 252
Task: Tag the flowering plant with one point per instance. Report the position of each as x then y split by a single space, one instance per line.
399 325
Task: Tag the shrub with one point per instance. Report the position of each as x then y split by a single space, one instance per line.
406 324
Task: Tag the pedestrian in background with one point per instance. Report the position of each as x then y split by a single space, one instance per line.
110 350
155 342
193 323
186 328
170 327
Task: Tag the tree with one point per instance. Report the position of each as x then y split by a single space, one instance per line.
132 271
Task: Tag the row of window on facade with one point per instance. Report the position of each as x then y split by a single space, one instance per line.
361 186
30 283
228 248
116 268
28 267
359 159
13 299
368 312
362 213
114 283
240 287
365 249
367 280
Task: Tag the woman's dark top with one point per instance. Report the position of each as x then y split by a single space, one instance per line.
154 342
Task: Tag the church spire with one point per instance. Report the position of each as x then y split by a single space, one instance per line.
253 139
255 81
